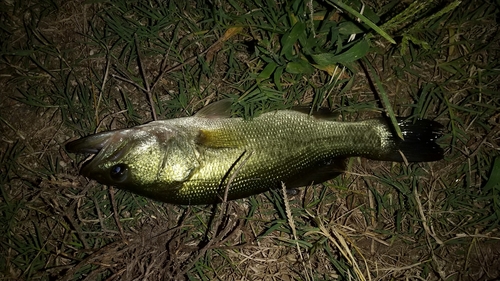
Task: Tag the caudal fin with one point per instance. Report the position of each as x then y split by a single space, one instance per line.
419 144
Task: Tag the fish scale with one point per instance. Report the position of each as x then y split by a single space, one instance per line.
192 160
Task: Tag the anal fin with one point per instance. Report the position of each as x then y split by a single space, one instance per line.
319 172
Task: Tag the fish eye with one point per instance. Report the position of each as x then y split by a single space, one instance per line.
119 172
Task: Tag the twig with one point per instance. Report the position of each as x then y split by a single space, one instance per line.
88 260
424 219
236 172
104 80
67 213
99 215
115 211
188 61
129 81
163 68
144 78
163 71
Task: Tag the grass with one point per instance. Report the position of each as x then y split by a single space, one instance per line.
70 69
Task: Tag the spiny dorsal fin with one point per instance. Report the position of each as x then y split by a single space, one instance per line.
218 109
222 109
321 113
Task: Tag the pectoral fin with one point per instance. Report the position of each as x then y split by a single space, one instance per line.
218 139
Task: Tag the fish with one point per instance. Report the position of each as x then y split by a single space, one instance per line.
211 157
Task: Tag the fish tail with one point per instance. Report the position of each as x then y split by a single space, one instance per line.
419 143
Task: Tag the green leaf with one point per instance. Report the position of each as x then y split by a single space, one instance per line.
277 77
363 18
384 98
299 67
349 27
266 72
493 182
289 39
356 52
325 59
22 53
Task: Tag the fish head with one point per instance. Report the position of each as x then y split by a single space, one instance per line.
139 159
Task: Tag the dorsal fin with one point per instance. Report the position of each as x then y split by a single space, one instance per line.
321 113
218 109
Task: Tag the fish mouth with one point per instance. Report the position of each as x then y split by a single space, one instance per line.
90 144
96 144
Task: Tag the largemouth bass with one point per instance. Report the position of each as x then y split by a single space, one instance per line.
210 157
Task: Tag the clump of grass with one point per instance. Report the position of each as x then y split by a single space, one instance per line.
122 63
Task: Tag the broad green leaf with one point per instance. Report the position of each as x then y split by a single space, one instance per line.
356 52
266 72
349 27
22 53
308 44
332 69
289 39
277 77
299 67
293 19
384 98
493 182
325 59
363 18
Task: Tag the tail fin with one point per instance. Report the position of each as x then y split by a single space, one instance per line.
419 144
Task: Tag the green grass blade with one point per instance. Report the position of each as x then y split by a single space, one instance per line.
364 19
